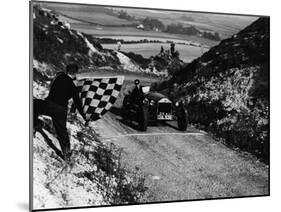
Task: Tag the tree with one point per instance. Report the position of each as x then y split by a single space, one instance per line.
124 15
212 36
151 24
180 29
216 36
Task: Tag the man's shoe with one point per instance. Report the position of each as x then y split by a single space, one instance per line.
37 126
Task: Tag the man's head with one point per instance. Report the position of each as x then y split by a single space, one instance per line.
72 69
175 85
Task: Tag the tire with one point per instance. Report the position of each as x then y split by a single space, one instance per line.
182 119
125 110
126 102
143 118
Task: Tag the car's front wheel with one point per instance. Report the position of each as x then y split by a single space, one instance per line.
126 102
182 118
143 118
125 107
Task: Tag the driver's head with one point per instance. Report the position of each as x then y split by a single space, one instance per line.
72 69
137 82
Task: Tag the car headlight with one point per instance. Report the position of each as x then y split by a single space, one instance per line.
179 103
145 101
152 102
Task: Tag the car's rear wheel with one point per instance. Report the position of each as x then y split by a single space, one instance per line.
143 118
182 118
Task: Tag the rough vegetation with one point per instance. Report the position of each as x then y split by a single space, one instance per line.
55 43
95 175
227 89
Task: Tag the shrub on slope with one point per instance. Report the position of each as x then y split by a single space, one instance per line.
95 174
227 89
55 43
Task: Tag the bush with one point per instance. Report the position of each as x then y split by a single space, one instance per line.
119 185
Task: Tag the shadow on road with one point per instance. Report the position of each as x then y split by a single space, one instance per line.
117 111
123 118
131 121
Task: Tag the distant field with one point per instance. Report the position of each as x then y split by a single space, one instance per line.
100 18
226 25
187 53
129 31
138 38
80 15
70 20
100 15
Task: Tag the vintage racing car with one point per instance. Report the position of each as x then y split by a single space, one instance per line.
154 106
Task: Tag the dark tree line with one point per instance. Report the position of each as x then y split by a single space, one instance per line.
180 29
124 15
211 35
155 24
152 24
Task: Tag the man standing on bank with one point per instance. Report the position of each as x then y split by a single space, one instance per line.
55 105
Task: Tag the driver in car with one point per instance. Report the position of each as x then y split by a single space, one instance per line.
137 93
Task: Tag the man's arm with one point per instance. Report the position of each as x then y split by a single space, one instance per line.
77 100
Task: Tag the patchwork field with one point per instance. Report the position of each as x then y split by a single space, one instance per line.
99 18
226 25
187 53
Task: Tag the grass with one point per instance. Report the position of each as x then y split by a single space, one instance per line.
119 185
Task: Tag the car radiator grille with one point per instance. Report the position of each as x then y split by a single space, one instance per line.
164 107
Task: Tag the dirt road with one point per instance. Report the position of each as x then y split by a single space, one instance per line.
183 165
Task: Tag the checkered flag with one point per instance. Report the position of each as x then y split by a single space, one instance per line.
98 94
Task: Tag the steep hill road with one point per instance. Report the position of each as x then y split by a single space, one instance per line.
182 165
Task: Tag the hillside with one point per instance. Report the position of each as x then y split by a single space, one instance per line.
95 175
227 89
56 44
